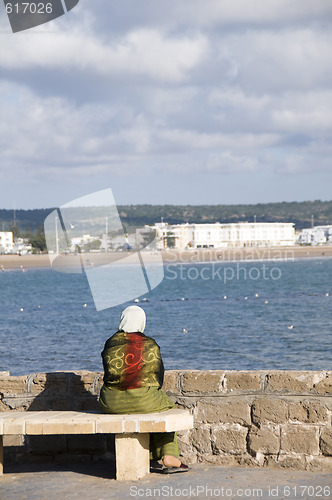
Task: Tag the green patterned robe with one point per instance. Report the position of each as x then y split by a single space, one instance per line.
133 377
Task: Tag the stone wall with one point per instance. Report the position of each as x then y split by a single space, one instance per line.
256 418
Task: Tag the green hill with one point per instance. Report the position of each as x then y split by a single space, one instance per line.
137 215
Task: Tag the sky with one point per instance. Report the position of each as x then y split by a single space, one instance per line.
168 102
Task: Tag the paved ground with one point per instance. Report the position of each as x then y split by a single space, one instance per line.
96 482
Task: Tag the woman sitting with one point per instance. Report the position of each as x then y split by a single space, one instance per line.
133 377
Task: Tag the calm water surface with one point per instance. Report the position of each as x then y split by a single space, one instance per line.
277 317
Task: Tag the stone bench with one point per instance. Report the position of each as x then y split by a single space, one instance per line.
132 432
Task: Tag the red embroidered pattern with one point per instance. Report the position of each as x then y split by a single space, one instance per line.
133 362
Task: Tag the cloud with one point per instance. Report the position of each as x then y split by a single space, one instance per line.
109 17
141 52
255 12
274 61
137 90
304 112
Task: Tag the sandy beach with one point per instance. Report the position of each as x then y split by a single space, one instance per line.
8 262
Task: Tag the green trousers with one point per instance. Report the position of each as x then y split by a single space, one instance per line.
143 400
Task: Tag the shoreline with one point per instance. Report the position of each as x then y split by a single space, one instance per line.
230 254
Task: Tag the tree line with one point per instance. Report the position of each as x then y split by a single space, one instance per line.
29 223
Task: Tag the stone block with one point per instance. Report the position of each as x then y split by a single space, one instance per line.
3 407
18 403
229 439
220 460
268 410
326 441
16 427
317 464
13 440
110 426
243 382
290 382
186 450
298 412
81 382
299 439
286 462
206 382
237 412
177 420
12 385
65 427
146 426
130 426
132 456
201 439
249 461
98 383
264 440
185 436
324 386
187 456
48 383
34 428
308 412
170 382
183 403
185 443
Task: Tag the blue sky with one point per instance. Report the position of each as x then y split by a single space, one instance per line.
191 102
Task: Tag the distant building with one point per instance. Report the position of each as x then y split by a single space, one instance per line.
22 246
218 235
6 242
318 235
81 241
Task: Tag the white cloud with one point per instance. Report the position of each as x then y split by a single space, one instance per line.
142 52
290 112
187 139
229 162
204 86
278 60
304 112
51 135
239 12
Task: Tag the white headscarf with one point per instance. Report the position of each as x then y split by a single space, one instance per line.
132 320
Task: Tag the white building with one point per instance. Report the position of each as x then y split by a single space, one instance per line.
318 235
22 246
217 235
6 242
81 241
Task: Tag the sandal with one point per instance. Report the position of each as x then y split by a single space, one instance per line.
172 470
155 466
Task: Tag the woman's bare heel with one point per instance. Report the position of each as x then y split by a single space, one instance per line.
170 461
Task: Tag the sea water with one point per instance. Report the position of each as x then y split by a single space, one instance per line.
239 316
